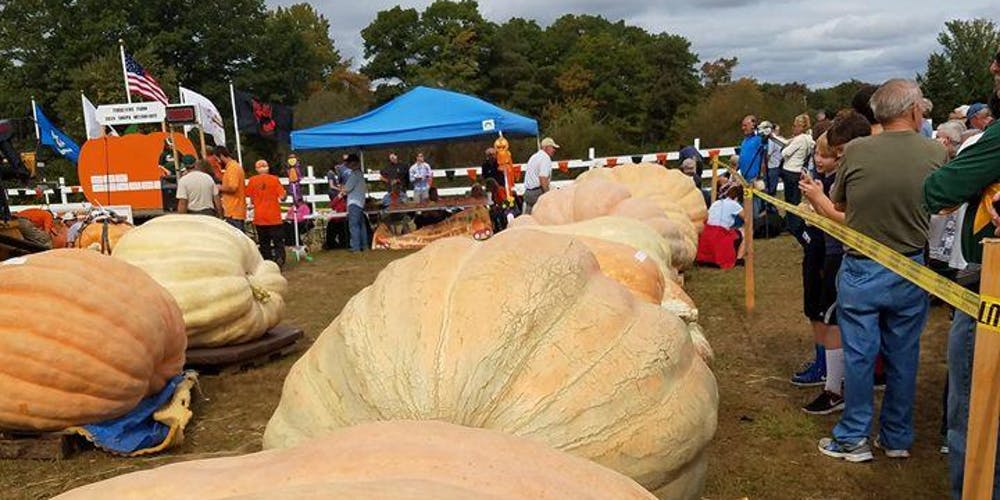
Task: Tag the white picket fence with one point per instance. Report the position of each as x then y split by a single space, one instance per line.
318 196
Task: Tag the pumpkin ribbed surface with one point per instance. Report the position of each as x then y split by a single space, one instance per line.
622 230
104 336
599 197
521 334
228 293
386 460
669 188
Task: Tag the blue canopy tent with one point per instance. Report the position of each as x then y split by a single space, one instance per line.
421 115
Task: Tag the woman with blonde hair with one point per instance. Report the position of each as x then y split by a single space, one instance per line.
795 155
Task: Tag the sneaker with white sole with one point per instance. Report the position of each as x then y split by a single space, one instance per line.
826 403
892 453
855 453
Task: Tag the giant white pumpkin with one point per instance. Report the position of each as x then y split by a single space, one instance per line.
630 267
521 334
603 197
228 293
83 338
616 229
401 460
670 189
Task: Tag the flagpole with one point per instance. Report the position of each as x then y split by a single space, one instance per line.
34 114
236 123
121 46
83 108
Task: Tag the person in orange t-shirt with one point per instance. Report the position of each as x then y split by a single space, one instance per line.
266 192
233 189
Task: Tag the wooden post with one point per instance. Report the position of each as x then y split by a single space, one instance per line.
749 290
984 402
715 175
201 135
173 145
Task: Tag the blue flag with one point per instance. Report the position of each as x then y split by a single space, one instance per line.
54 138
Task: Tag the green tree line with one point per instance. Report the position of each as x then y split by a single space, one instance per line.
590 82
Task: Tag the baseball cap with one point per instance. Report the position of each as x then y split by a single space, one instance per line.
188 160
547 142
975 109
962 110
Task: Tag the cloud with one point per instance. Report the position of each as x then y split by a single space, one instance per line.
817 43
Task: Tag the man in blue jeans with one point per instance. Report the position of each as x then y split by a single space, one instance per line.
355 190
965 180
880 188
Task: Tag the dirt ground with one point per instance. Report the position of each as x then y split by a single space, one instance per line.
765 446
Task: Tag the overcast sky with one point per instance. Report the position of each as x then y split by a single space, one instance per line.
818 42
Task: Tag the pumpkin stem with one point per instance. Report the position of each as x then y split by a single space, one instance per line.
259 294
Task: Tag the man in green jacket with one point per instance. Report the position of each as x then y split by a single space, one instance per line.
965 180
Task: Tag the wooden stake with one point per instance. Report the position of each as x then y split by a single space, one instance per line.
201 135
715 177
173 145
984 402
748 250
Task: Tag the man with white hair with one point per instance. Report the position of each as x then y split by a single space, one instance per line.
949 134
879 188
537 173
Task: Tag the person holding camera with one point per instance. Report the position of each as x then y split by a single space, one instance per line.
794 156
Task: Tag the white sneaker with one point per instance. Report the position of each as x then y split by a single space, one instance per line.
892 453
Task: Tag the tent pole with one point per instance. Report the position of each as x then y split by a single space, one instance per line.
362 160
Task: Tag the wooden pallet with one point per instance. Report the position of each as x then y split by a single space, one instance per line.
38 446
276 343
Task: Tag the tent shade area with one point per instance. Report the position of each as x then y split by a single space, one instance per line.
418 116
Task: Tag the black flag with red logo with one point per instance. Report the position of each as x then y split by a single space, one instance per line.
256 117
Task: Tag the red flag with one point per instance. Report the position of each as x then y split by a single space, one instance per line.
472 174
564 166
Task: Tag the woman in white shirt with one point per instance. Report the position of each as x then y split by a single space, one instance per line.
727 213
795 155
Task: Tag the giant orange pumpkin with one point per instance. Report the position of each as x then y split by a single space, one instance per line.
104 335
125 170
92 236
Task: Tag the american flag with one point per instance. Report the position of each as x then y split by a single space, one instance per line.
141 82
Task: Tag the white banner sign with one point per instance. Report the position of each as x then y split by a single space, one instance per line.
128 114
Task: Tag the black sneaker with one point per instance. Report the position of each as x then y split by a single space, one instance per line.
825 404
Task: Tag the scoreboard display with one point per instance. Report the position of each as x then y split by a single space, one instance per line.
181 114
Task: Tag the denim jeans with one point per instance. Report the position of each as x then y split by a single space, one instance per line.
793 196
961 346
878 311
237 223
771 178
357 227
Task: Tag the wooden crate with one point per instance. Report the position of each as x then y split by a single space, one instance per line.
276 343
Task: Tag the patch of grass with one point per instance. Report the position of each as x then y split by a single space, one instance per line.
765 447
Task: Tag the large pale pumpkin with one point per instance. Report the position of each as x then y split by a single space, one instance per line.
522 334
628 260
83 338
228 293
387 460
615 229
603 197
670 189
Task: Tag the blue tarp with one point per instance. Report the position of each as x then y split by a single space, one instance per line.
420 115
135 430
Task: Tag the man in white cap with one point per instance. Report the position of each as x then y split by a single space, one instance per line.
537 173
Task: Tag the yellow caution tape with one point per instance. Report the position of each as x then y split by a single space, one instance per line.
959 297
989 312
